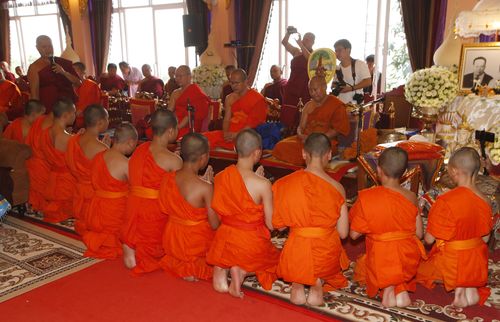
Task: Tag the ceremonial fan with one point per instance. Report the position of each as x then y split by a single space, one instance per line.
322 62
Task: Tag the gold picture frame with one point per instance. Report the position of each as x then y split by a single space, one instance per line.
474 56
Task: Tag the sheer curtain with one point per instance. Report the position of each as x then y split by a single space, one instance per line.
100 31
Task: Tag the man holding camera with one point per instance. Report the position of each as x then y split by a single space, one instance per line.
352 75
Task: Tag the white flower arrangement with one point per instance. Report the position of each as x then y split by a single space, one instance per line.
431 88
209 75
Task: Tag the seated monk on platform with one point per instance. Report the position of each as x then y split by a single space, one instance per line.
61 184
460 222
191 94
51 78
186 199
108 206
313 205
150 83
389 217
171 85
323 114
145 223
10 95
243 199
81 149
19 128
111 82
88 93
245 108
226 86
275 89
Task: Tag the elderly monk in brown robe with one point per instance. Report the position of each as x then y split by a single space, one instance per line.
171 85
150 83
51 78
275 89
111 82
226 86
324 114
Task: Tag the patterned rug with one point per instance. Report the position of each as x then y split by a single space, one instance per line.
31 256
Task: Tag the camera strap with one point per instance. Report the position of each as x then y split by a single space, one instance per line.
340 75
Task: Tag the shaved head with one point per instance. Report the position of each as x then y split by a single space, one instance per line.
93 114
163 120
317 145
62 106
40 39
467 160
317 80
124 132
239 73
193 146
33 106
247 141
184 69
393 162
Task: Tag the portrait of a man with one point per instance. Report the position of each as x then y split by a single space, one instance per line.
478 74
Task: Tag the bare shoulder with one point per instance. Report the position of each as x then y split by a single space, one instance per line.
259 182
308 107
231 98
169 161
95 147
412 197
336 185
176 93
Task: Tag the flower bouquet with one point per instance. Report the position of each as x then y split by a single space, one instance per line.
210 78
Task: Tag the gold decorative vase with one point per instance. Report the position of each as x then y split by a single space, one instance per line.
429 116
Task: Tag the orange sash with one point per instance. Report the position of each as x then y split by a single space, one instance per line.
398 235
460 244
185 222
110 194
235 223
312 232
143 192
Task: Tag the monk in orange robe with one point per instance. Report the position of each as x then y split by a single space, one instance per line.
244 108
313 205
150 83
460 222
388 215
191 94
323 114
61 184
186 199
145 223
243 200
88 93
106 212
10 95
81 149
18 130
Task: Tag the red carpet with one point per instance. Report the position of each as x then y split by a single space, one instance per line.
107 292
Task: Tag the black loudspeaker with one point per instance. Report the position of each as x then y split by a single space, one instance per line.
193 30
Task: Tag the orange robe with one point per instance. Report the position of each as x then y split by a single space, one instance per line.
310 206
10 96
61 184
80 167
250 110
393 251
88 93
458 219
106 212
37 166
331 115
145 223
242 239
187 236
199 100
14 131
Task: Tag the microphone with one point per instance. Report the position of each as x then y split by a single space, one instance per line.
52 60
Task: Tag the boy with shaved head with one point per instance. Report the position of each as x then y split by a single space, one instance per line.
460 222
186 199
313 205
389 217
243 200
18 130
81 150
106 212
144 225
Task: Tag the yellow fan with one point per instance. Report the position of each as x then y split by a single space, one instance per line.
322 62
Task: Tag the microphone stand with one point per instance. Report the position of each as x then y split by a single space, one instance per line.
190 112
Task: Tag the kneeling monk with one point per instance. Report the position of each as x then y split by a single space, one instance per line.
245 108
186 199
323 114
244 201
106 212
19 128
145 222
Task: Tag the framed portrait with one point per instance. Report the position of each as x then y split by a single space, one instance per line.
479 64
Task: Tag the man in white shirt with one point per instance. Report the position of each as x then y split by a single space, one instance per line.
348 82
132 76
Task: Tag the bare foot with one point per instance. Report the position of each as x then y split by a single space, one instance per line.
128 257
472 296
460 298
237 277
220 280
389 299
315 297
298 295
190 279
403 299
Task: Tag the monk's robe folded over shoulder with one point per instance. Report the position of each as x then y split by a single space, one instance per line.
249 111
459 258
144 223
187 236
80 167
55 86
152 85
242 239
275 90
37 166
109 83
331 115
61 184
199 100
393 250
88 93
14 131
310 206
10 96
106 213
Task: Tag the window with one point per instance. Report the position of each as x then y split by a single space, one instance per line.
27 16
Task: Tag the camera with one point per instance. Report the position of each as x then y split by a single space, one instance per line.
337 87
291 30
